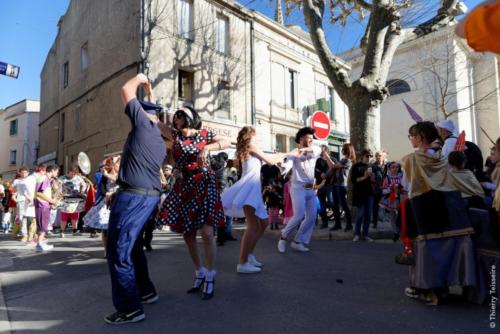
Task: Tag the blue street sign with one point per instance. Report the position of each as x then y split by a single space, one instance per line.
9 70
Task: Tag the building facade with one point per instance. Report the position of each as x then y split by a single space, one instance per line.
233 65
440 77
18 136
290 86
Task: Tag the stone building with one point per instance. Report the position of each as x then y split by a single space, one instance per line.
234 65
18 136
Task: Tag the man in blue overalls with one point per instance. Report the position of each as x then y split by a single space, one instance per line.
133 206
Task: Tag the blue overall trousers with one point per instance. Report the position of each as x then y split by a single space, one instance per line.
127 262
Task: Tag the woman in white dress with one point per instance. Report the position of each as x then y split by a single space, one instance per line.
98 216
244 198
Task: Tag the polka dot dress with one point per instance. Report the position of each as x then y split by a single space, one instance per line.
194 200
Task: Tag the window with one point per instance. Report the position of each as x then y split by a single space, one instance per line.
63 125
13 127
84 57
222 33
397 86
13 157
291 143
65 74
185 86
223 96
278 86
185 18
292 89
324 99
280 143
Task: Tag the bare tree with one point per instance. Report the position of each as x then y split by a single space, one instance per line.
388 25
443 67
219 74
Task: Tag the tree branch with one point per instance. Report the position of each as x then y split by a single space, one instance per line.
313 14
363 4
443 17
377 30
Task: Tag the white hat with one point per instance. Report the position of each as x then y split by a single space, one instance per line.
168 167
447 125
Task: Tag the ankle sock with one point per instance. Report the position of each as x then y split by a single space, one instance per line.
201 272
210 275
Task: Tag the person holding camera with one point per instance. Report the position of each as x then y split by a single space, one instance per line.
362 177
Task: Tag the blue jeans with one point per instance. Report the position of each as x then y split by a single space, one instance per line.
126 260
340 199
325 199
363 215
229 224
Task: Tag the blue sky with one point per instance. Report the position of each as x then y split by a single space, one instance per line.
30 27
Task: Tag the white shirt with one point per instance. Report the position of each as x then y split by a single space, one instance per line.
303 166
25 188
448 146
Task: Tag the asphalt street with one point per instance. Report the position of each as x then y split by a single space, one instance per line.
338 287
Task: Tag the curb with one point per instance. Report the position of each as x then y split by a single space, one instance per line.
338 235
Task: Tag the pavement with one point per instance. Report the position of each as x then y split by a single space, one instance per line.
338 287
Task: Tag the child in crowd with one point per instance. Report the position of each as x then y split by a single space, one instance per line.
274 201
391 195
287 199
6 217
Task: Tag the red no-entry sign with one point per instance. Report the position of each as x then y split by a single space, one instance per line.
321 124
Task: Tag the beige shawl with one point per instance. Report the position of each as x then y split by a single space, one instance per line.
425 172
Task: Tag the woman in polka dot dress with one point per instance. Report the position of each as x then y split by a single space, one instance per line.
194 203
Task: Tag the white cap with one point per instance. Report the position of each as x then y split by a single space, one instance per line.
168 167
447 125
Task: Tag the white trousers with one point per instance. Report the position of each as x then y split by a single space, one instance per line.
305 209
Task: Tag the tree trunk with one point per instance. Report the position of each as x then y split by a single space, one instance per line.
364 121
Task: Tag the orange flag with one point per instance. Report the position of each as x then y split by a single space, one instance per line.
460 144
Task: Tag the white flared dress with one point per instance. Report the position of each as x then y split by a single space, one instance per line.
98 215
247 191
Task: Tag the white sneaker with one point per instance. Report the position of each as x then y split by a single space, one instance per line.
61 235
367 238
42 247
253 261
356 238
299 246
247 268
282 246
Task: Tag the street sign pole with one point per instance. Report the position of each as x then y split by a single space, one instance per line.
321 123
